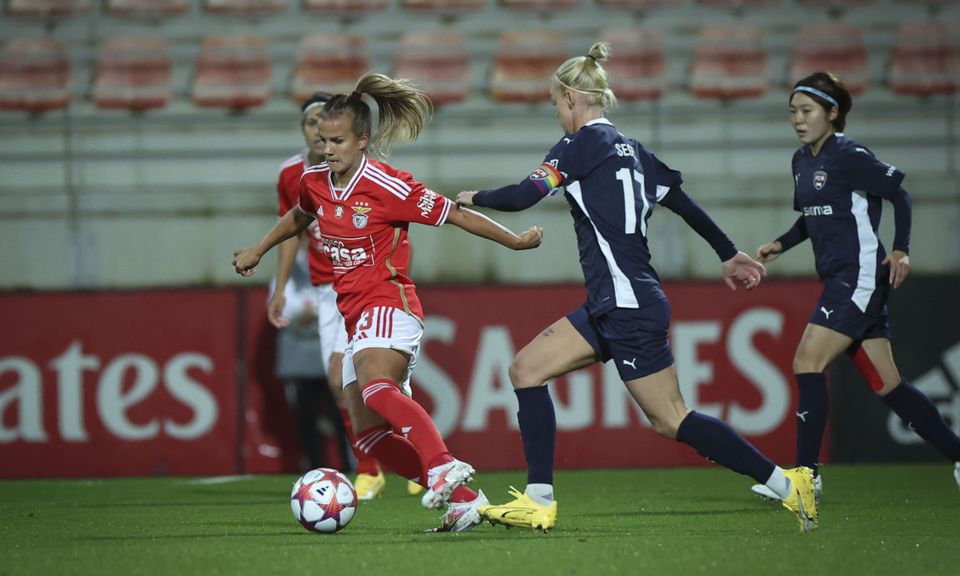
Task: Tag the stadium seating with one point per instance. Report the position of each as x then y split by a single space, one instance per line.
638 5
47 8
729 63
444 6
542 5
35 75
831 47
245 7
232 72
637 65
331 62
735 4
146 8
343 6
438 62
835 5
524 63
932 3
133 73
925 59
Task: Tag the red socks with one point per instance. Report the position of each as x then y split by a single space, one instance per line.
395 451
366 464
406 417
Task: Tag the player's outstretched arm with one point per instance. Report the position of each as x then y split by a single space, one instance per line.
293 223
482 226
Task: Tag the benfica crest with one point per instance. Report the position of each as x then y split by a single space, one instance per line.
819 179
360 215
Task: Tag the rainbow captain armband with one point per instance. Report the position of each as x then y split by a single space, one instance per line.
547 178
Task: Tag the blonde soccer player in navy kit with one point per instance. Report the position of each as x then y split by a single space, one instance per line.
613 185
839 189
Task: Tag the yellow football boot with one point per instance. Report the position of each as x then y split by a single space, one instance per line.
369 486
413 488
522 511
801 500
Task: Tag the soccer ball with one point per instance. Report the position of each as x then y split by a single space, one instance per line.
323 500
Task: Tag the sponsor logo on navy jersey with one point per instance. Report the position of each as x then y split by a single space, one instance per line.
819 179
826 210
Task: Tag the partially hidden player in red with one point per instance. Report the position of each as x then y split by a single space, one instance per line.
364 208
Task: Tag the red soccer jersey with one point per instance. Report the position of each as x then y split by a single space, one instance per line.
363 228
288 194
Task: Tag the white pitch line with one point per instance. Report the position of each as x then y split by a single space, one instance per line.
221 479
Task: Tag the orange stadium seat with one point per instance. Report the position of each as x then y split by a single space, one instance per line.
232 72
925 60
835 4
438 62
735 4
544 5
344 6
524 63
728 63
133 73
831 47
249 7
34 75
638 5
146 8
331 62
444 6
637 65
47 8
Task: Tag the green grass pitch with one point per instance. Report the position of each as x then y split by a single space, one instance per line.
874 520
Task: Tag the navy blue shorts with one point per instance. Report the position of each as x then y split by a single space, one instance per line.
636 339
837 311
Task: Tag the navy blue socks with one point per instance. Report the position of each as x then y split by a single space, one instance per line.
812 409
716 441
917 410
538 428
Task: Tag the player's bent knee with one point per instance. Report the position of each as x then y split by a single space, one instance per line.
665 428
522 374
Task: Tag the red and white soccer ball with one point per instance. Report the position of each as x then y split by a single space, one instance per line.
323 500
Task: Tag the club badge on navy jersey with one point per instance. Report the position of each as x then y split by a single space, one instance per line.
360 214
338 212
819 179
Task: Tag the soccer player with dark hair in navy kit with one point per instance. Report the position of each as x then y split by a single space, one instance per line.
612 185
839 188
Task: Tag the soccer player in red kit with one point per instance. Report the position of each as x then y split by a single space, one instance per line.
369 481
364 208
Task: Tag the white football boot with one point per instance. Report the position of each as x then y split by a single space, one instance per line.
443 480
462 516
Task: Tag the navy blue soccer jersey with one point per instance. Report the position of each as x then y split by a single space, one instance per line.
839 192
612 184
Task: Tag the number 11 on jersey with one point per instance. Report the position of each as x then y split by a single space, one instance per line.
629 201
